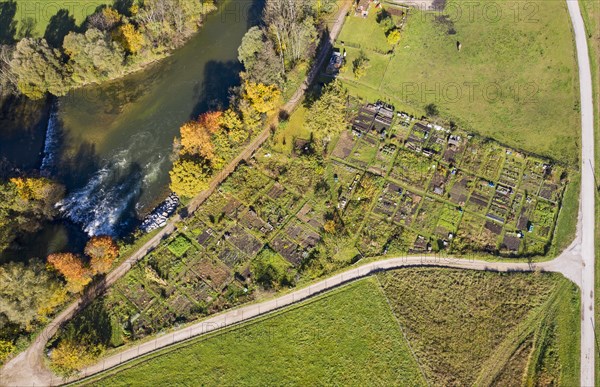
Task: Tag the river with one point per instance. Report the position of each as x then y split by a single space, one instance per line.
111 144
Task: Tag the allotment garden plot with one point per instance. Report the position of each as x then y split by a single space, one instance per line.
389 185
439 189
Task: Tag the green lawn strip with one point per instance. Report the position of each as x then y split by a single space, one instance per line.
566 223
42 15
348 335
364 33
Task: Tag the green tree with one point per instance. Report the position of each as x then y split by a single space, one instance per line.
28 293
93 56
39 69
432 110
393 37
260 59
189 177
25 203
251 45
327 115
271 270
360 65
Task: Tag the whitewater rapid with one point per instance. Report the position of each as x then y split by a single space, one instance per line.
51 143
109 201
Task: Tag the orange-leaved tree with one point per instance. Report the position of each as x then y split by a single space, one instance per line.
73 269
102 251
196 136
211 121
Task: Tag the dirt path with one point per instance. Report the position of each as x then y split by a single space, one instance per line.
28 367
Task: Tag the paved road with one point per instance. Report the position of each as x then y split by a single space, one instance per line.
587 204
28 367
567 263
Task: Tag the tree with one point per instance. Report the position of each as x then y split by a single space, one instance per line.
167 23
28 293
93 56
73 269
8 79
39 69
260 59
189 177
393 37
104 20
211 121
130 38
6 348
196 140
252 44
327 115
231 122
329 227
361 64
384 18
271 270
24 204
196 136
263 98
291 27
432 110
69 356
102 251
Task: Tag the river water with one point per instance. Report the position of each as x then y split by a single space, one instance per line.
111 144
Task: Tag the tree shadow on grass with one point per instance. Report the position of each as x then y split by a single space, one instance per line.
60 25
8 24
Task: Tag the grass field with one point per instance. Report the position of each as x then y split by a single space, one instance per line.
464 328
364 33
348 336
36 15
514 78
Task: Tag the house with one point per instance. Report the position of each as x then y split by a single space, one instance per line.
362 8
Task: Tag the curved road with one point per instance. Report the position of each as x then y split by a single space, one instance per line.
568 264
576 263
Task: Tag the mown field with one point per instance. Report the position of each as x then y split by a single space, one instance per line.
464 328
36 15
514 78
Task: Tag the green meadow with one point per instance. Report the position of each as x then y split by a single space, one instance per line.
514 78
